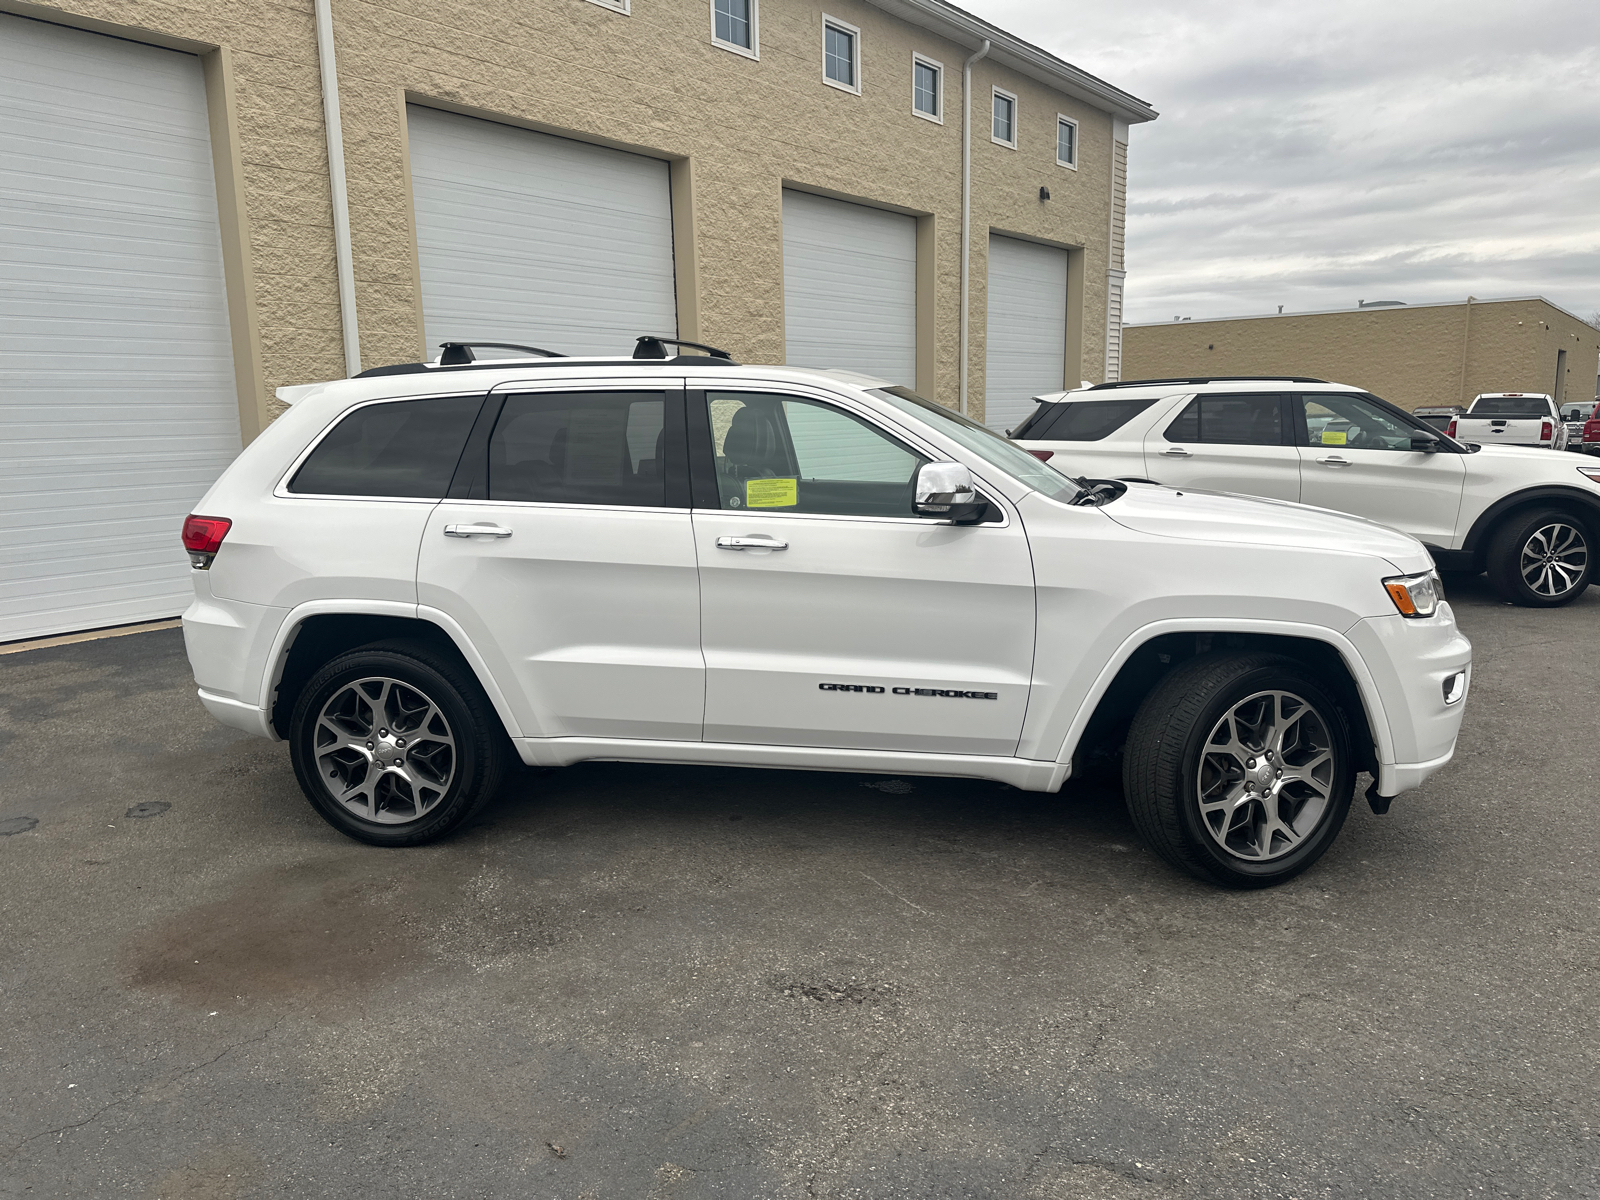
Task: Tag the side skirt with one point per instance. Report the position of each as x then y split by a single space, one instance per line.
1029 775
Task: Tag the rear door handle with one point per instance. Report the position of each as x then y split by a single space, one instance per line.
1176 452
1333 460
484 530
760 541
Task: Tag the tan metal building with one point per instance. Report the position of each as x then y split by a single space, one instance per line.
1412 355
782 178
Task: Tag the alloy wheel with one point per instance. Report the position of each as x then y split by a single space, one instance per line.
384 750
1266 776
1554 559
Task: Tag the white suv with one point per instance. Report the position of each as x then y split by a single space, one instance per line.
1528 517
422 574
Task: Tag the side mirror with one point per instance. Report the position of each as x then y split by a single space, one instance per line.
946 490
1426 443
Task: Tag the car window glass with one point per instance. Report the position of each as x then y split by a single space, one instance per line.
787 454
1254 419
1354 421
1510 406
1085 420
402 448
580 448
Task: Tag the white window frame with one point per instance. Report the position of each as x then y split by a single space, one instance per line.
938 69
1063 119
625 7
1000 93
754 49
855 53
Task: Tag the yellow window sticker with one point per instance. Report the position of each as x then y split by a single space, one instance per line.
1330 438
771 493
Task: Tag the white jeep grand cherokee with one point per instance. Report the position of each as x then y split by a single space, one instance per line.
1526 516
418 575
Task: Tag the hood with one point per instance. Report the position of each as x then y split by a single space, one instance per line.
1201 516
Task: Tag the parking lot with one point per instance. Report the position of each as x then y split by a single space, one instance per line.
633 981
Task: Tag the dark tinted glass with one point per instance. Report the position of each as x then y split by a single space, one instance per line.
1084 420
1249 420
403 448
580 448
1510 406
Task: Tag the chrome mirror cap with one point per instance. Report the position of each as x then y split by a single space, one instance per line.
941 485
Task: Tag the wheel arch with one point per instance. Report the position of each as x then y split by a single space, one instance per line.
1148 655
1569 499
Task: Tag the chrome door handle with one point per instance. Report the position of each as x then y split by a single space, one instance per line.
1333 460
485 530
758 542
1176 452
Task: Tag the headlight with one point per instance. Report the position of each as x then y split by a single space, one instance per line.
1415 595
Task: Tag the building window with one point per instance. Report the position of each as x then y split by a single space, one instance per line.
927 88
841 55
621 6
734 25
1005 118
1066 142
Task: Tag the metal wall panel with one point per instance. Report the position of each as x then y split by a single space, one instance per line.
1027 341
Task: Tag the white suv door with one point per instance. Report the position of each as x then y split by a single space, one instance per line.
833 616
1227 443
566 553
1357 458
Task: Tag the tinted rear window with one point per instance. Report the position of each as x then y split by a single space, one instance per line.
401 448
1510 406
580 448
1081 420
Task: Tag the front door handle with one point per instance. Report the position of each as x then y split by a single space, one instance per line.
484 530
1176 452
760 541
1333 460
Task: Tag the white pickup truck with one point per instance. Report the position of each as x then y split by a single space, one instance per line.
1512 419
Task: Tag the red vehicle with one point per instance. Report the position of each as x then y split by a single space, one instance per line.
1591 431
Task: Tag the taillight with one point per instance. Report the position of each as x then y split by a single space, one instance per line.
202 538
1043 455
1546 432
1450 429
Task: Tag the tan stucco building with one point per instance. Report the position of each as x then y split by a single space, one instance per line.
219 199
1412 355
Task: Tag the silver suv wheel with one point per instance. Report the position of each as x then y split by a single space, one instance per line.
1553 559
384 750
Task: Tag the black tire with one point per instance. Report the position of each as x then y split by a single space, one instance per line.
1162 770
457 743
1554 545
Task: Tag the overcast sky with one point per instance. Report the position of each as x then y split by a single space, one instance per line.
1316 154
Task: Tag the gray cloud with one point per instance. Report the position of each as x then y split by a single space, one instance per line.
1312 155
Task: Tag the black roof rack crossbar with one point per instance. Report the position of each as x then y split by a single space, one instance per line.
655 346
1126 383
685 361
459 354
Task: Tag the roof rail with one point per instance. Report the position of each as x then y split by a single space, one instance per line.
1127 383
459 354
651 346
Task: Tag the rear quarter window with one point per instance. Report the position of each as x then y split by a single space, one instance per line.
405 448
1081 420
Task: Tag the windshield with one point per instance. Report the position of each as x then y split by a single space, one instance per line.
984 442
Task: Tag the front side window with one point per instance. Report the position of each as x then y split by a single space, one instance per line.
840 43
1005 118
733 23
406 448
1254 419
1353 422
786 454
580 448
926 87
1066 142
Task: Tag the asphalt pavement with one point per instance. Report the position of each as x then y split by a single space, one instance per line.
634 981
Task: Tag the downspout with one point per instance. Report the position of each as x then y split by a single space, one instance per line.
966 209
336 184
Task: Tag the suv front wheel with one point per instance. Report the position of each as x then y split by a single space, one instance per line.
1540 559
395 746
1239 769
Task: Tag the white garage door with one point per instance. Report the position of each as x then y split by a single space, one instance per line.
850 287
1026 347
538 240
118 406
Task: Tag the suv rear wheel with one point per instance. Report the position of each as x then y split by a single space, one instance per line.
1239 769
394 745
1540 559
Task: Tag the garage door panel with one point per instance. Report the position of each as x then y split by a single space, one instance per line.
1025 351
849 287
526 237
118 406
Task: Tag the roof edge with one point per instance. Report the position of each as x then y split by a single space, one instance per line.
945 19
1322 312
